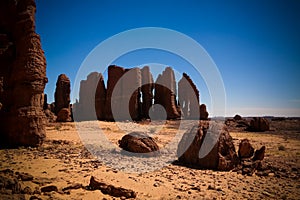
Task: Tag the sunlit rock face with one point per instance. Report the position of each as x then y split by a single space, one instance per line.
22 75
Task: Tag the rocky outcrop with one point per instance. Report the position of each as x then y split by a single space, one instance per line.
129 96
188 97
165 93
147 92
22 75
62 93
259 124
138 142
217 148
237 118
245 149
259 154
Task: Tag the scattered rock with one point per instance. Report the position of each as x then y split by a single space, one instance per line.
138 142
111 190
24 176
74 186
49 188
245 149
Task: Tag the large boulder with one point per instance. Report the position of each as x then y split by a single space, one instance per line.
237 117
64 115
245 149
259 124
22 75
138 142
208 147
203 112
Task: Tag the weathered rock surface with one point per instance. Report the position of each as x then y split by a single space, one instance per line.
138 142
64 115
111 190
100 98
165 93
245 149
147 92
62 93
217 148
22 75
259 124
188 97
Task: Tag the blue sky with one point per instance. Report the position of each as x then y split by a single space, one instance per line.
255 44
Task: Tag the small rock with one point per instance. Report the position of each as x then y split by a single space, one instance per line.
24 176
49 188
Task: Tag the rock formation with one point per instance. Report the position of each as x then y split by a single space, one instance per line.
62 93
147 92
237 117
259 154
114 74
218 151
91 98
100 98
165 93
245 149
203 112
138 142
188 97
22 75
64 115
259 124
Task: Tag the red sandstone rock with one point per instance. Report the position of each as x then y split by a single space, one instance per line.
203 112
62 93
245 149
165 93
22 75
220 156
147 91
259 124
188 96
100 96
138 142
259 154
64 115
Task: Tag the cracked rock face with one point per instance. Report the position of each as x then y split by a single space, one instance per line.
22 75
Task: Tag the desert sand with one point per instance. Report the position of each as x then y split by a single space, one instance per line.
63 161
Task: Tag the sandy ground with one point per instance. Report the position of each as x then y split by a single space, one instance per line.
63 161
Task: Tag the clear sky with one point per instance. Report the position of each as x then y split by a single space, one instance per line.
255 44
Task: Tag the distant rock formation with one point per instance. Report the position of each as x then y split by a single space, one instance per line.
62 93
237 117
221 156
129 96
114 74
165 93
22 75
259 124
203 112
188 96
147 92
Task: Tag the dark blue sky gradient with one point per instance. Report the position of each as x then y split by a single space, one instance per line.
255 44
